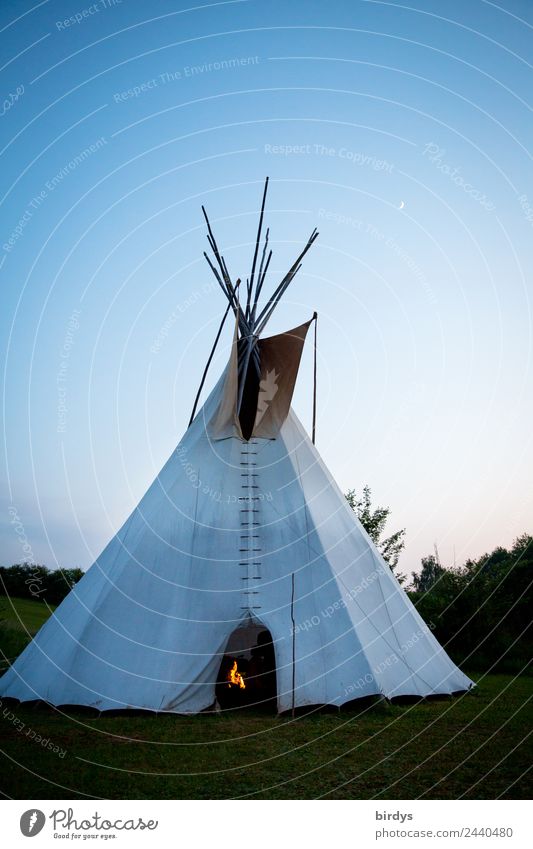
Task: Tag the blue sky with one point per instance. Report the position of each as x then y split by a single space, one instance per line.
401 132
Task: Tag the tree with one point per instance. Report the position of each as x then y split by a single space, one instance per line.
373 521
429 574
481 611
35 581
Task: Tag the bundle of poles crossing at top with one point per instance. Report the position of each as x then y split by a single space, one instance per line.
251 323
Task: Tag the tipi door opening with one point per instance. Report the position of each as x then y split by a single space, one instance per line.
248 408
247 674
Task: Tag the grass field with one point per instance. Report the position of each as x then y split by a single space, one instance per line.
473 746
32 613
20 619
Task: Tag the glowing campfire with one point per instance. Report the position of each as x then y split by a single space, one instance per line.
235 678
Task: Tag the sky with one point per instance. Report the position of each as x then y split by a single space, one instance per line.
402 132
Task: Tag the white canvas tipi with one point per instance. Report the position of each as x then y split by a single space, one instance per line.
243 529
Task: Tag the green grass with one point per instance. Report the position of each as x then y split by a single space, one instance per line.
20 619
471 747
24 613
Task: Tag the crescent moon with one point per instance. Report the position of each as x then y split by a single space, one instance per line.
402 204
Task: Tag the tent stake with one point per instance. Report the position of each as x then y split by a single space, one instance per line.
269 308
249 346
293 646
261 276
257 241
286 284
224 317
315 319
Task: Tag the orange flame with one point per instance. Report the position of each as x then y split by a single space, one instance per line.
235 677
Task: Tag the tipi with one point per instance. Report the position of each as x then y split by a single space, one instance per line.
244 530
